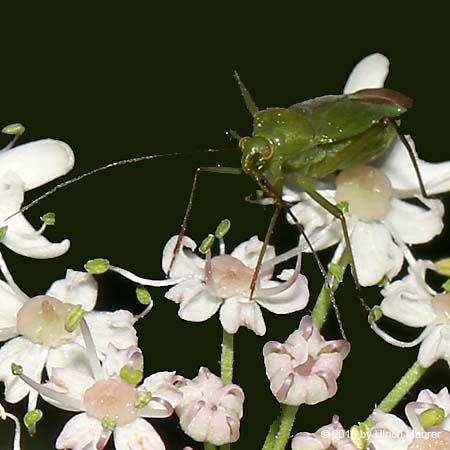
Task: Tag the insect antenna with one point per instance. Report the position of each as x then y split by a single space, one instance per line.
101 169
249 102
412 155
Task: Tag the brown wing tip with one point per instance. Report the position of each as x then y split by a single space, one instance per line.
384 95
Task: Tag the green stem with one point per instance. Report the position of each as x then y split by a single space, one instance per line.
227 357
286 419
404 385
208 446
271 435
323 303
225 447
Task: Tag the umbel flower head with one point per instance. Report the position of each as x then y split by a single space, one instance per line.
210 410
24 168
223 282
304 369
379 220
36 336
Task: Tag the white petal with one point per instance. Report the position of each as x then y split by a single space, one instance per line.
200 307
235 313
186 262
138 434
413 224
111 327
161 384
30 356
81 432
390 433
185 290
70 355
292 299
370 72
375 253
38 162
10 303
435 346
397 165
20 236
78 288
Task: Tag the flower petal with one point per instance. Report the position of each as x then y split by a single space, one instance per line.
435 346
38 162
376 255
30 356
161 384
413 224
78 288
138 434
114 328
186 262
81 432
71 355
370 72
10 303
200 307
236 312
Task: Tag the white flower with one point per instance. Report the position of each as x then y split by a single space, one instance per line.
304 369
34 329
380 221
210 410
332 436
412 302
429 419
224 282
23 168
112 403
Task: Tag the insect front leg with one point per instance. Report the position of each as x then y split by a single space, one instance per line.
338 214
222 170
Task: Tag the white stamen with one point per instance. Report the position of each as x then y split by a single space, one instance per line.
368 192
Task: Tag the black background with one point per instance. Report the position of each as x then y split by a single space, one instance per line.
122 81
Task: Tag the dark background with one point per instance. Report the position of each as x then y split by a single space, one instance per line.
118 82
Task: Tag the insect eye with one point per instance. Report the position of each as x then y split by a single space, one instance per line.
257 146
270 148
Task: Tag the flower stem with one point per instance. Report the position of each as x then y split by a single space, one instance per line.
324 300
271 435
208 446
225 447
404 385
286 420
227 357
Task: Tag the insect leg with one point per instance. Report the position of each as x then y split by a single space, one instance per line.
412 155
223 170
336 212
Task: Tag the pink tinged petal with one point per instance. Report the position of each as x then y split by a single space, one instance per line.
200 307
370 72
185 290
116 359
236 312
80 433
248 253
137 435
78 288
38 162
186 261
399 169
30 356
114 328
69 355
308 441
10 303
389 432
161 384
413 224
441 399
292 299
435 346
20 236
376 255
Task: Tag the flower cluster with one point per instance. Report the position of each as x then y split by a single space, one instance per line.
373 204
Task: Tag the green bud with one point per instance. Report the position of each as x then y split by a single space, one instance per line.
446 286
49 218
15 129
142 398
375 314
16 369
432 417
143 295
359 436
73 318
97 266
343 206
336 270
31 418
108 423
3 232
443 267
223 228
131 376
206 244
